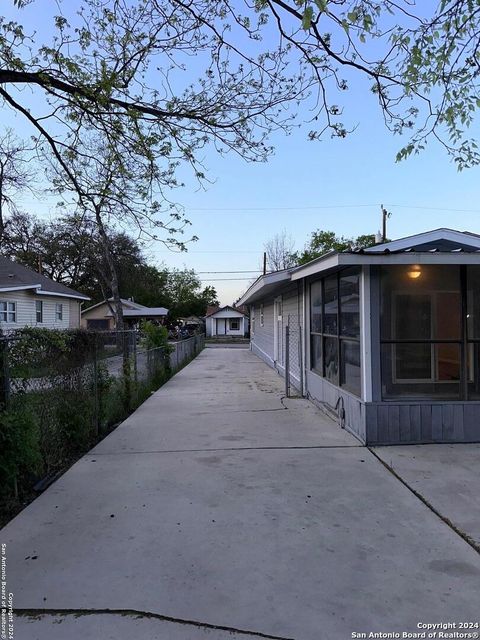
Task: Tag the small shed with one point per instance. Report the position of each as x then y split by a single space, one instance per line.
227 321
385 338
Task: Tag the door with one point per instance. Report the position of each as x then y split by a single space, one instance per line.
278 330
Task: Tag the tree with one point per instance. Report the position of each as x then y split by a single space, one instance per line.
280 252
16 174
321 242
421 62
185 296
117 68
69 251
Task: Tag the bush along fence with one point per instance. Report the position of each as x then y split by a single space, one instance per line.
62 391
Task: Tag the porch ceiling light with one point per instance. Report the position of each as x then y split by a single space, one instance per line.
414 272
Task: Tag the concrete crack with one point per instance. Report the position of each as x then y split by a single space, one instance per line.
469 540
133 613
270 448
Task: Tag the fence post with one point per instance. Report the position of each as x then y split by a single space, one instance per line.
95 385
287 361
300 356
126 370
135 364
4 374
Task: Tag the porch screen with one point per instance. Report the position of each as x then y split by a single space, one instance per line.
429 328
335 329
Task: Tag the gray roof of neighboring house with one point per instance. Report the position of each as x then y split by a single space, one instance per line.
211 311
130 309
144 312
14 276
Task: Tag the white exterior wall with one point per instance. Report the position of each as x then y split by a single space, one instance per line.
222 327
263 342
26 315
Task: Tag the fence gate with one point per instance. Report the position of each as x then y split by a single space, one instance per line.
293 356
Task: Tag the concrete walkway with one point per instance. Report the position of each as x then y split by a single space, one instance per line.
221 510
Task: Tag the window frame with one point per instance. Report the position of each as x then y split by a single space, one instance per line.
8 311
237 321
340 338
469 368
59 311
39 311
262 315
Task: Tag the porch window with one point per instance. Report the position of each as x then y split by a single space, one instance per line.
234 324
8 311
335 329
425 348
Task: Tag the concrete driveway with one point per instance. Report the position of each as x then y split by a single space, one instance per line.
221 510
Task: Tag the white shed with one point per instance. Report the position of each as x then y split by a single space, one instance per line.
226 321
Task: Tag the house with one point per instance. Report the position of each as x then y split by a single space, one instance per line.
387 338
30 299
226 321
100 316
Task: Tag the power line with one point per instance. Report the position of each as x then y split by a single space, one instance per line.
332 206
337 206
223 279
249 271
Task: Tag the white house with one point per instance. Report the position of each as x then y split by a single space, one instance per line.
226 321
30 299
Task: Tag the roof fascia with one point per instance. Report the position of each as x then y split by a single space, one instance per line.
267 279
427 236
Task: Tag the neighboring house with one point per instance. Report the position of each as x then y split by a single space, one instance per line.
101 317
387 338
29 299
226 321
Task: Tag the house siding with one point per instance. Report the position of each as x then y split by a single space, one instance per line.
223 326
371 418
262 339
263 342
98 313
26 314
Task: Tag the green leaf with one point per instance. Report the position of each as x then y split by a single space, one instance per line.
322 5
307 18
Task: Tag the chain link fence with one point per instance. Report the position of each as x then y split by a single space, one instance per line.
293 356
62 391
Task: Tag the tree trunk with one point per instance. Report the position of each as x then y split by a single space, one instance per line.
117 303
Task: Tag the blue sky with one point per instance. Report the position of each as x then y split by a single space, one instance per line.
247 204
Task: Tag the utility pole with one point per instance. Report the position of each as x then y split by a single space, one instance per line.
264 262
385 214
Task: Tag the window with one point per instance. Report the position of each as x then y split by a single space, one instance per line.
316 326
335 329
252 320
8 311
39 310
262 316
234 324
59 311
422 335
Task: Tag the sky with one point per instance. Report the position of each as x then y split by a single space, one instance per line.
332 184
